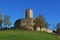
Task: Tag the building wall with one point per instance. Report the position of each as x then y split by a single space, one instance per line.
26 22
44 29
29 13
17 23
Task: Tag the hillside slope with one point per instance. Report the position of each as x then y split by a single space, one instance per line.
26 35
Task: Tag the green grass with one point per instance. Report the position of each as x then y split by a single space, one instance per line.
26 35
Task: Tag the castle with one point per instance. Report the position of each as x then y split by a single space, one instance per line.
27 22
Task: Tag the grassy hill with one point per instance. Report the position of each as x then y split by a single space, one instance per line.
26 35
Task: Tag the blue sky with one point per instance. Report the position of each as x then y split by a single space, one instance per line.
50 9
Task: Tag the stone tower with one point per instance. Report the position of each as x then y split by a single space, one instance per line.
27 22
29 13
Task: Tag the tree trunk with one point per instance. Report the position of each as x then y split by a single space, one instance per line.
7 27
46 29
1 27
40 28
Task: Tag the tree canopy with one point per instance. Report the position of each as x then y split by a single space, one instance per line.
1 20
7 21
40 21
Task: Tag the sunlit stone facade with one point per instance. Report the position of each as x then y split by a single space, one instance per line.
29 13
27 22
